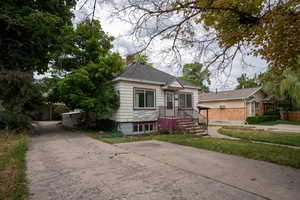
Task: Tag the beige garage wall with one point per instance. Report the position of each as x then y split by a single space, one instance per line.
234 110
227 104
225 114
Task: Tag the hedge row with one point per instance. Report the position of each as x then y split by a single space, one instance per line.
262 118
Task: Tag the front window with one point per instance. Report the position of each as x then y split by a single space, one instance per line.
144 98
254 107
185 100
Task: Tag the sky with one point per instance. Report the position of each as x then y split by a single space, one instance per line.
125 44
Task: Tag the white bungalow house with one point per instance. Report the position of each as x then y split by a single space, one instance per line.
151 99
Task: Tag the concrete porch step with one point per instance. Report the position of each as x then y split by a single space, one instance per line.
184 120
186 124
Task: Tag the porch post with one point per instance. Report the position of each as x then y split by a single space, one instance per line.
207 118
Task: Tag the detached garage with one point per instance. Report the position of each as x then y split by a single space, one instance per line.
234 105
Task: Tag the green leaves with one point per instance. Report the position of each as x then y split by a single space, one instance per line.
143 59
285 87
91 68
29 38
195 74
290 85
89 88
19 98
86 44
246 82
30 32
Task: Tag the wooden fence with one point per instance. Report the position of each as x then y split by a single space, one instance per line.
292 116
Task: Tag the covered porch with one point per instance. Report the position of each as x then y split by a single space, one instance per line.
186 120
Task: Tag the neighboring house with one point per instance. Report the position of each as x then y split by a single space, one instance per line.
152 99
235 105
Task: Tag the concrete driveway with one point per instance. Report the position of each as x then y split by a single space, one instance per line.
65 165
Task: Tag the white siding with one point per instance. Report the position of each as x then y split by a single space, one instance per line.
126 113
195 96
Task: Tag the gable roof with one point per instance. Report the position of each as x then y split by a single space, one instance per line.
137 71
228 95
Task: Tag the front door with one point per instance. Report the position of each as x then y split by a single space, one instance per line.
169 104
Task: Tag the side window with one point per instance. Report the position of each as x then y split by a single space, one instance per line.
185 100
181 100
189 101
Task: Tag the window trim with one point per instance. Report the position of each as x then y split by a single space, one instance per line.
144 108
185 97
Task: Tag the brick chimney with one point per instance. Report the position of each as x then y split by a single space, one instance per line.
130 58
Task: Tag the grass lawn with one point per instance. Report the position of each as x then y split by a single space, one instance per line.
12 166
280 122
167 138
292 139
269 153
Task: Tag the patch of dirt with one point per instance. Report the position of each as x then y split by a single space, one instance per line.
6 179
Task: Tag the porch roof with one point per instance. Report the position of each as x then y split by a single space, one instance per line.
204 107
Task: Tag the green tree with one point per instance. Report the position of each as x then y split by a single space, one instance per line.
19 104
29 39
30 32
89 88
284 87
245 82
88 85
290 85
143 59
87 43
196 74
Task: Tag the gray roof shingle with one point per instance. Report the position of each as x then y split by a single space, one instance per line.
142 72
227 95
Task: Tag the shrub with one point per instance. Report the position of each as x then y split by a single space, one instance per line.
263 118
164 131
255 119
118 133
106 125
14 121
179 130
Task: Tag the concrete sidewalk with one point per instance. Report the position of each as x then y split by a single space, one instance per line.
279 127
213 132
